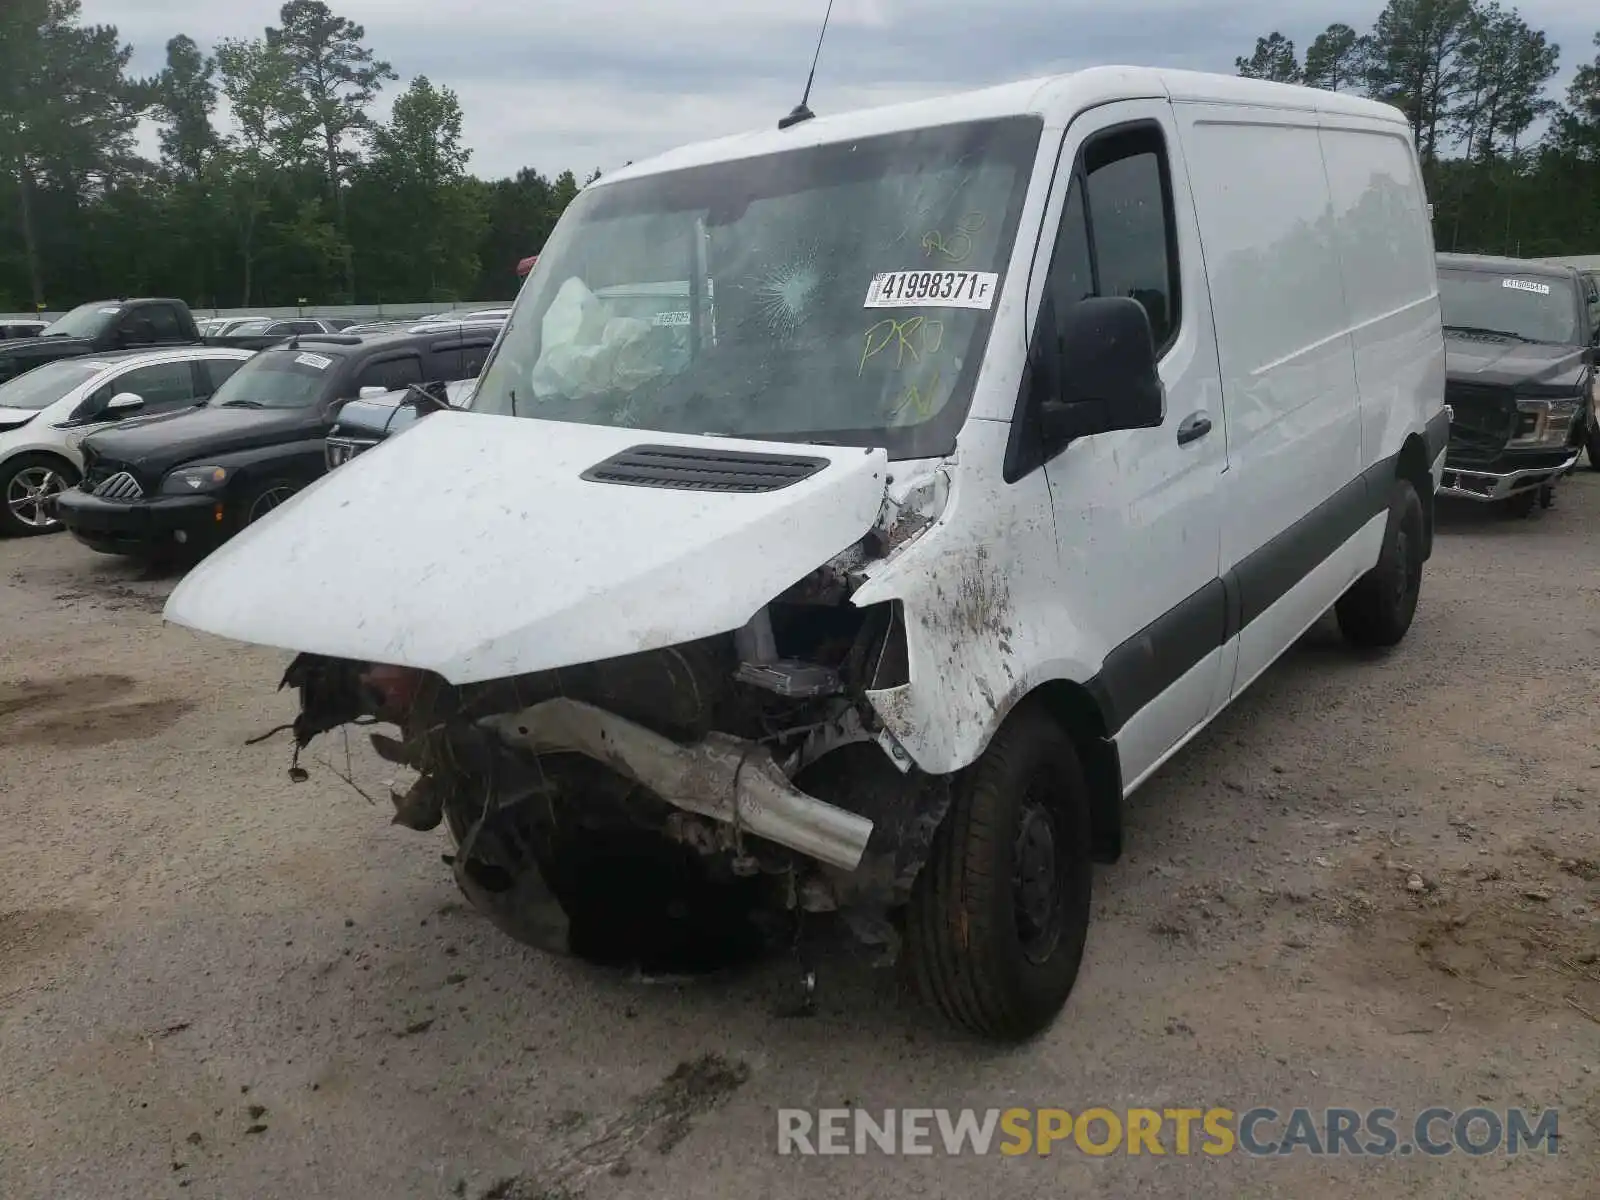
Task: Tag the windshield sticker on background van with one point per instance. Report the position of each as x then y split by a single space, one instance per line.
314 360
671 318
1526 285
932 289
109 312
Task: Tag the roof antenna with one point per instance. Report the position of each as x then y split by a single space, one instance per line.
800 112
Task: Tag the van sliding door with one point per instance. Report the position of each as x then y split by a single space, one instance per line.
1288 373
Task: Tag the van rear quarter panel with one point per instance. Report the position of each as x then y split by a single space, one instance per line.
1385 244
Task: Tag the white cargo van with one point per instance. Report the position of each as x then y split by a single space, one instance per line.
1008 438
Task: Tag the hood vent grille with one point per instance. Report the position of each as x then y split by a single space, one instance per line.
697 469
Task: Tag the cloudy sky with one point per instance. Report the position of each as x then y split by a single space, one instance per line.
580 84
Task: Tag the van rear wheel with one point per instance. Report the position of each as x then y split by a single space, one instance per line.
1000 912
1377 610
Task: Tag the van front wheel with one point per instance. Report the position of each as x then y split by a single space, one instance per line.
1378 608
999 914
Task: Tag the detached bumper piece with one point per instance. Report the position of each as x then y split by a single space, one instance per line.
1490 486
726 778
138 526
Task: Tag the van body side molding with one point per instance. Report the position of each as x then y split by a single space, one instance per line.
1139 669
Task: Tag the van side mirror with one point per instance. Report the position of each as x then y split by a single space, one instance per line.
1104 375
124 402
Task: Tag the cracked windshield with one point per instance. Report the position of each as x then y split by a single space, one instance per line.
759 298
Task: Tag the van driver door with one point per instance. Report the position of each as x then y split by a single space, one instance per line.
1138 512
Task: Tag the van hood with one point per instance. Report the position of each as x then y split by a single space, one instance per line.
474 546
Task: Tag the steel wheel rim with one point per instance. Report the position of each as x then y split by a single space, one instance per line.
267 501
1402 551
28 490
1037 890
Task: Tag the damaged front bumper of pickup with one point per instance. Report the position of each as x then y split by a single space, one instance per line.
754 761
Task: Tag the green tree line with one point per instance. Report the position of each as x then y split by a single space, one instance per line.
275 184
1510 167
300 194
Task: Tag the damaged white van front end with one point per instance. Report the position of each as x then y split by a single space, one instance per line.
581 634
685 571
850 515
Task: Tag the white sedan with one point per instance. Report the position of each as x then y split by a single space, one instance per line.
47 412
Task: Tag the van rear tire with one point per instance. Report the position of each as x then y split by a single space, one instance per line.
1377 611
999 914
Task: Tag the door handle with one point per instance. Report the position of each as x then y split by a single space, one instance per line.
1194 427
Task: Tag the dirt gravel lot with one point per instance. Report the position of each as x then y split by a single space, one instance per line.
1370 883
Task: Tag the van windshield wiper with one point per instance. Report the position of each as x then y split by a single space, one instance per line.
242 404
1482 332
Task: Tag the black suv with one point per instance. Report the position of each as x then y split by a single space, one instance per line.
194 479
1521 351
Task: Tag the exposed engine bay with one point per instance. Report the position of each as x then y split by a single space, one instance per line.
749 767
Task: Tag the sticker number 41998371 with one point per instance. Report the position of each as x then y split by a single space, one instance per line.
932 289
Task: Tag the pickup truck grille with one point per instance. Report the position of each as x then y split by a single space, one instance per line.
1485 417
695 469
339 450
121 486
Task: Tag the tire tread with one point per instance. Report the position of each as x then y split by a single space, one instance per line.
957 947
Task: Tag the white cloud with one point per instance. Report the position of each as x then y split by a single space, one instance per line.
593 83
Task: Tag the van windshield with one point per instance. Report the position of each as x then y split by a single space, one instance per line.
841 293
1527 308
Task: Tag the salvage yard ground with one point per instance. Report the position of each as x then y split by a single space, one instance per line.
1370 883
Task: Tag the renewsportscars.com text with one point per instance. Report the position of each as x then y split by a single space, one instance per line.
1258 1132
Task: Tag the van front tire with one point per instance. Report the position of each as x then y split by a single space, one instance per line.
999 914
1377 611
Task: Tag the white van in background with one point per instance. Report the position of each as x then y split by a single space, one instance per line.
1010 436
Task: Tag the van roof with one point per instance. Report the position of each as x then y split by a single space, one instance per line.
1055 98
1506 266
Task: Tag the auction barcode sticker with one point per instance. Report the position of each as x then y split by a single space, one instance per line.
932 289
1525 285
